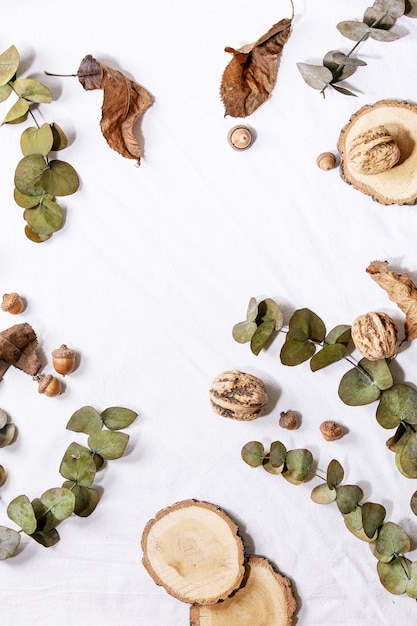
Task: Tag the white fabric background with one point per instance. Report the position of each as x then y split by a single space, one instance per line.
154 266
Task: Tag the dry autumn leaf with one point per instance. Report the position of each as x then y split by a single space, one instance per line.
124 101
401 290
18 347
250 76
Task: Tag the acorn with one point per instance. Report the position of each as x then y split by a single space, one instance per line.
331 430
49 385
12 303
326 161
240 137
288 420
64 360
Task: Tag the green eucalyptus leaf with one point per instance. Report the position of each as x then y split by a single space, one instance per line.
342 59
40 511
269 311
79 468
379 372
17 113
295 352
400 467
253 453
7 435
261 336
5 91
353 522
392 540
9 542
327 355
243 331
116 417
373 515
25 201
348 497
86 420
32 90
28 174
46 218
36 140
316 76
335 474
305 325
411 8
397 404
411 589
353 30
396 442
383 35
299 464
59 502
86 498
60 179
323 494
394 8
339 334
60 140
373 15
252 312
407 456
21 512
395 574
47 538
363 384
343 90
35 237
277 454
413 503
9 64
109 444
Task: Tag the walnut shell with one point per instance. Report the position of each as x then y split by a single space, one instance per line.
373 151
238 395
375 335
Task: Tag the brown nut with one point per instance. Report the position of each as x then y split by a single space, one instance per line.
49 385
331 430
238 395
375 336
12 303
373 151
240 137
326 161
64 360
288 420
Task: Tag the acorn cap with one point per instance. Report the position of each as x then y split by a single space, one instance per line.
44 382
63 352
9 301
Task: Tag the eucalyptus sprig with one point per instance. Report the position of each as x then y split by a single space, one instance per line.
40 517
376 24
39 177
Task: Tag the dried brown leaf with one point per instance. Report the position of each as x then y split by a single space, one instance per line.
401 290
251 74
124 101
18 347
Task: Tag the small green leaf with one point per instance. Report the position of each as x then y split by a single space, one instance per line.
394 8
86 420
305 325
17 113
277 454
343 90
396 442
357 388
46 218
60 179
9 64
340 71
392 540
261 336
253 453
47 538
411 8
32 90
86 498
28 174
35 237
116 417
5 91
295 352
9 542
316 76
322 494
348 497
373 515
21 512
353 30
79 468
397 404
395 574
339 334
413 503
383 35
353 522
243 331
59 502
299 463
27 202
108 443
60 140
269 311
335 474
411 589
7 435
408 456
327 355
36 140
372 15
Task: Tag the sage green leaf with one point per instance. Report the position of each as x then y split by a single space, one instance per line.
5 91
277 454
4 418
269 311
396 442
86 498
35 237
413 503
305 325
383 35
243 331
60 179
394 8
47 538
400 467
392 540
75 449
9 542
253 453
340 71
25 201
411 8
60 140
339 334
7 435
348 497
316 76
36 140
79 468
343 90
86 420
261 336
353 30
327 355
342 59
397 404
18 112
40 511
9 64
379 372
357 388
408 456
411 589
109 444
372 15
373 515
335 474
395 575
46 218
299 463
59 501
295 352
252 311
21 512
116 417
32 90
322 494
28 173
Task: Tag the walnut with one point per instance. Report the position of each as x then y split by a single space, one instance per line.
373 151
238 395
375 336
331 430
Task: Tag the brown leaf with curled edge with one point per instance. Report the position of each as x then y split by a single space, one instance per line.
18 347
250 76
124 101
401 290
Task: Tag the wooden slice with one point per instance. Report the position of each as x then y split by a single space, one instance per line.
265 597
397 185
193 550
